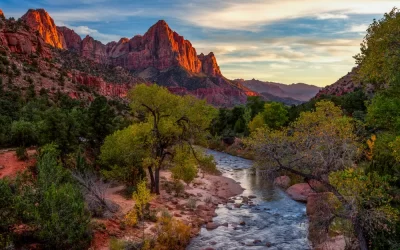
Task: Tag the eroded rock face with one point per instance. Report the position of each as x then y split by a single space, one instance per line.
39 20
72 40
94 50
103 87
299 192
23 42
160 55
209 65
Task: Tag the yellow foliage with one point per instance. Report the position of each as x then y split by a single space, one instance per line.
172 234
141 196
256 123
131 218
371 144
146 245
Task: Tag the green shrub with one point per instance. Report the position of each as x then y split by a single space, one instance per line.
61 217
22 155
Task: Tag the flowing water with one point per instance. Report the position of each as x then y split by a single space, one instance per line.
276 222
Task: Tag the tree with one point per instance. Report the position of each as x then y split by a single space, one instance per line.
163 121
274 116
256 123
60 215
8 215
23 133
384 110
317 144
379 58
123 153
100 121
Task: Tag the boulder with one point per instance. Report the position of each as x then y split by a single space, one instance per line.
211 226
282 181
336 243
299 192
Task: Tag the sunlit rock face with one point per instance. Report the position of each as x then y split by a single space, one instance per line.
39 20
209 64
161 55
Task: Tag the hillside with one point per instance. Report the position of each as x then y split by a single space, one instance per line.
290 94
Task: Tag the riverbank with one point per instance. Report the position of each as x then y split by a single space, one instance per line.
195 206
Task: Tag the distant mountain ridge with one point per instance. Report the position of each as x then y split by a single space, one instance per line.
295 93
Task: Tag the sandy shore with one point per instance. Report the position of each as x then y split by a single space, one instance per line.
206 193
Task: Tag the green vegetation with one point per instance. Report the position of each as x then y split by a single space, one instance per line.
52 205
165 128
350 144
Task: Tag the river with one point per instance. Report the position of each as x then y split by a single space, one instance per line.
276 222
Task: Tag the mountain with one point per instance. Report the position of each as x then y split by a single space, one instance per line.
31 59
161 55
344 85
295 93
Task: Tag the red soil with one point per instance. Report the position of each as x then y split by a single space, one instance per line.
10 165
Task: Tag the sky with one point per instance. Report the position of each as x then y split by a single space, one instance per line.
287 41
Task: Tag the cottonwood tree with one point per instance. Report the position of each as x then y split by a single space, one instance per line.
166 124
379 57
317 144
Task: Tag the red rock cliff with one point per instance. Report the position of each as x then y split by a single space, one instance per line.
21 40
209 65
72 40
41 21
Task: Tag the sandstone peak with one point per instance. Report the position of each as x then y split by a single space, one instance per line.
72 40
41 21
1 13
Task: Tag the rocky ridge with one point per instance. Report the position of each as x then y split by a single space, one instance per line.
161 55
295 93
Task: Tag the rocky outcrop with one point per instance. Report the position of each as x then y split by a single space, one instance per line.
2 16
21 41
209 65
93 49
39 20
299 192
72 40
102 87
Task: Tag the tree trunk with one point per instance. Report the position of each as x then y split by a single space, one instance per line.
360 234
157 180
152 182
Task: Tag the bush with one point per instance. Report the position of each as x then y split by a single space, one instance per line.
178 187
61 217
172 234
22 155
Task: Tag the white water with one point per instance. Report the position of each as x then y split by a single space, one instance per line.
276 219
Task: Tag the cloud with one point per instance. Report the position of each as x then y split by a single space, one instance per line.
325 16
85 30
362 28
251 15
